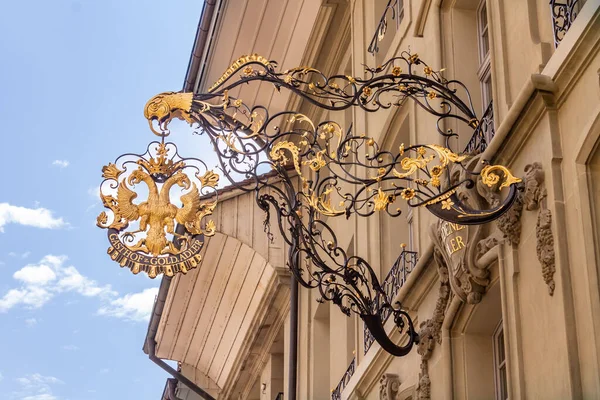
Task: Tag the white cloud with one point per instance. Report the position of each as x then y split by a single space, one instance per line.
61 163
72 280
23 255
41 282
35 274
31 322
36 217
33 297
38 379
94 192
1 377
37 387
70 347
133 306
42 396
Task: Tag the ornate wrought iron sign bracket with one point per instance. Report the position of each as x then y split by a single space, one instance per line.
327 160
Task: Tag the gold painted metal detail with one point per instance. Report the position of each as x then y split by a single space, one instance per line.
164 107
491 178
381 200
322 204
411 165
278 156
168 105
317 162
237 65
443 197
156 216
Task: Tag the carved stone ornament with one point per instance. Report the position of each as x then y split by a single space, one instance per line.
430 330
535 199
510 223
459 244
535 193
389 385
545 247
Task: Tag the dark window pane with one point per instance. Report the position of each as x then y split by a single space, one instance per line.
503 385
501 355
485 44
483 17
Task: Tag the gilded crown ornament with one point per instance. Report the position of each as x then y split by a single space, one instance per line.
156 247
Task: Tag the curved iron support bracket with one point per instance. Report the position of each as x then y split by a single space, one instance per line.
457 212
375 325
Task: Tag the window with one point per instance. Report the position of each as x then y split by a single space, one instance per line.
484 72
409 220
500 378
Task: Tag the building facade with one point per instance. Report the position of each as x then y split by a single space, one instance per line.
506 310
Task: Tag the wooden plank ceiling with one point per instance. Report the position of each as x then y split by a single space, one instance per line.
278 30
210 311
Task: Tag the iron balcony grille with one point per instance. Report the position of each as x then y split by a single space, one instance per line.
392 283
484 133
336 394
396 8
564 13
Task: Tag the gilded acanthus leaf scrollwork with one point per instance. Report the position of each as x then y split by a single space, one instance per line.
490 177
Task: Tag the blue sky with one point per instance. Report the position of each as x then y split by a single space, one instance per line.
74 79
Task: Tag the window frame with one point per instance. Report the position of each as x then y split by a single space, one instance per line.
484 72
411 229
499 365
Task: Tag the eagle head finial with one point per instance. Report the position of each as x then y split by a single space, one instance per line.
164 107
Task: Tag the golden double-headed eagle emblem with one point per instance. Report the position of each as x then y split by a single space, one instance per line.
156 246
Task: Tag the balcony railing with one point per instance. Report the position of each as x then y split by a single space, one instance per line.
484 133
395 9
391 285
564 13
336 394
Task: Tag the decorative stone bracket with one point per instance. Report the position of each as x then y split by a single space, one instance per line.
389 385
533 198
